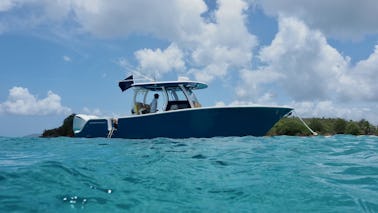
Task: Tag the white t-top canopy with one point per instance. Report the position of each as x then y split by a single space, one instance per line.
169 84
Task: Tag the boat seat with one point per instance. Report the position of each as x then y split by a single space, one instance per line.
140 108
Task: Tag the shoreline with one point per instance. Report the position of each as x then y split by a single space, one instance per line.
290 126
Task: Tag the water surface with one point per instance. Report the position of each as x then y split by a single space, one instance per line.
234 174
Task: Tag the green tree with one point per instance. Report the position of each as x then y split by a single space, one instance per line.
352 128
365 127
339 126
316 125
290 126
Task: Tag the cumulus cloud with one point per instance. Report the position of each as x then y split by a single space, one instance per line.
216 50
311 67
107 19
306 67
210 47
155 63
208 42
360 82
22 102
252 81
120 17
299 63
213 49
346 19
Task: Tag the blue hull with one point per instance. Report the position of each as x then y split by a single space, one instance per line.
195 122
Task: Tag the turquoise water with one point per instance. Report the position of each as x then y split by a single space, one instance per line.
236 174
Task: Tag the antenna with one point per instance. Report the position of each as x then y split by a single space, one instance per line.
155 76
144 77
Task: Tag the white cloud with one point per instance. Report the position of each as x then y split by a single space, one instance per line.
311 66
360 82
106 19
21 102
313 69
299 63
209 44
123 17
125 64
330 109
6 5
347 19
176 20
211 71
222 45
155 63
252 81
36 13
210 48
95 111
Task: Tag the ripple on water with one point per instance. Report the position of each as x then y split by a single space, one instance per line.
234 174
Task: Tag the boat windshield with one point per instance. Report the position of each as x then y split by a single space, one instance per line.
177 99
193 98
169 98
176 94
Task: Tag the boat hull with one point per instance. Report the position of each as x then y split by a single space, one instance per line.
194 122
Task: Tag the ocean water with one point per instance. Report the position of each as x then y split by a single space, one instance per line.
235 174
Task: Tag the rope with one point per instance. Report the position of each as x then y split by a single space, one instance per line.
304 123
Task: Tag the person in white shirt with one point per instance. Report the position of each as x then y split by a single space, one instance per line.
154 103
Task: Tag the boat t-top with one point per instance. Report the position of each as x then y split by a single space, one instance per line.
171 109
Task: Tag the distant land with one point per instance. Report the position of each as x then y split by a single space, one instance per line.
286 126
35 135
66 129
323 126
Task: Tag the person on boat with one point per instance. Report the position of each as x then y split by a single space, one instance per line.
154 103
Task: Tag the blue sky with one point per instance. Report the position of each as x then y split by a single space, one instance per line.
62 57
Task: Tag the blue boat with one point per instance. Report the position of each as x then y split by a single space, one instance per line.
170 109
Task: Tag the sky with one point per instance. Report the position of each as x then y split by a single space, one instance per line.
59 57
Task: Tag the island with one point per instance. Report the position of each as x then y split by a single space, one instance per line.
323 126
65 130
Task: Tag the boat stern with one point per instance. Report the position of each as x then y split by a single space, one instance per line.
91 126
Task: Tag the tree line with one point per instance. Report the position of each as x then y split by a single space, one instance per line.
323 126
